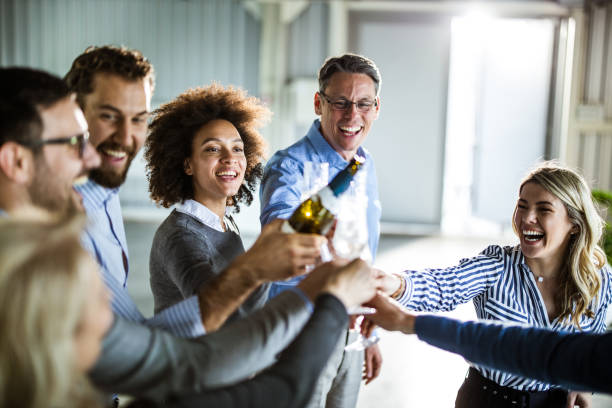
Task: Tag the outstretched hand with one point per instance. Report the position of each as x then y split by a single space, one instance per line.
372 363
389 283
353 283
389 315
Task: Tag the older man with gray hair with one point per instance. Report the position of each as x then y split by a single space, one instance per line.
348 103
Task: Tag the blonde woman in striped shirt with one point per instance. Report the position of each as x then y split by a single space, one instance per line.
556 278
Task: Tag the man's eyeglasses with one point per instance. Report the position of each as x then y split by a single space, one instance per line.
78 141
342 104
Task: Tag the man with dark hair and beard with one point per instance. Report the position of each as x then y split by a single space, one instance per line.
114 87
44 147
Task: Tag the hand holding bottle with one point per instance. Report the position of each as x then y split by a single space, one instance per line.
278 256
316 215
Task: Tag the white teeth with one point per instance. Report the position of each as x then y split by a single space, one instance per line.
227 173
79 181
525 232
533 236
350 129
115 153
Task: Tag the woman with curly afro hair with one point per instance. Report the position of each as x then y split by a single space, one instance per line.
204 154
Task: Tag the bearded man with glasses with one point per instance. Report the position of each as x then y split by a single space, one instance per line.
348 104
44 149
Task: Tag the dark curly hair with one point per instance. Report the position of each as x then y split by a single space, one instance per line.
127 63
171 136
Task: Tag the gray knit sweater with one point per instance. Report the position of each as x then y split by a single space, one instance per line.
187 254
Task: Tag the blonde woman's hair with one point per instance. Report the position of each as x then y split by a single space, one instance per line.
43 290
580 279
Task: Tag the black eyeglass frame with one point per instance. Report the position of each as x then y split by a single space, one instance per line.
77 140
348 104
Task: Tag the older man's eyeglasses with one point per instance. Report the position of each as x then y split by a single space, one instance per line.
342 104
78 141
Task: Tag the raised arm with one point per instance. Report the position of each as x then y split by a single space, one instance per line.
150 362
444 289
577 361
274 256
290 382
580 361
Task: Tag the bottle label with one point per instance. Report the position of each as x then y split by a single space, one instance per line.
329 200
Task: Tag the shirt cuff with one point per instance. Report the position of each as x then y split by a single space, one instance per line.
404 297
183 319
302 295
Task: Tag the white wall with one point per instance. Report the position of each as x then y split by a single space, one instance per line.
407 141
511 116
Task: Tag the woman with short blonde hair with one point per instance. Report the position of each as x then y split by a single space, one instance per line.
53 313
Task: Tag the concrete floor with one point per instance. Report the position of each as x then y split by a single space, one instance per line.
414 374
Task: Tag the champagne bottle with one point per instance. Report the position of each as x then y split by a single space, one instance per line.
316 214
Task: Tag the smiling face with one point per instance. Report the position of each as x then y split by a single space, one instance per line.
345 130
542 224
57 166
117 111
217 163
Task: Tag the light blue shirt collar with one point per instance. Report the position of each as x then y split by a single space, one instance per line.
324 150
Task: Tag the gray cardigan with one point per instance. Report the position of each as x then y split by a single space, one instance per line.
187 254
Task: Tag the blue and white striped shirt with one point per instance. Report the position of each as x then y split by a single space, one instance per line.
105 239
502 287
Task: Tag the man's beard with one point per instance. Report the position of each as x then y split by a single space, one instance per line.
107 177
44 194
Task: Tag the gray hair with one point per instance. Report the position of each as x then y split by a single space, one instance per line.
351 63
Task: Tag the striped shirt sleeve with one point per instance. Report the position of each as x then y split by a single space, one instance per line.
182 319
443 289
605 299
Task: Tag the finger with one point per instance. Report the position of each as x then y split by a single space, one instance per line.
302 252
377 301
377 366
308 240
370 376
298 270
364 327
367 327
368 366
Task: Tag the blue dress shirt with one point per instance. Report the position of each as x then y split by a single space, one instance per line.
105 239
282 187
